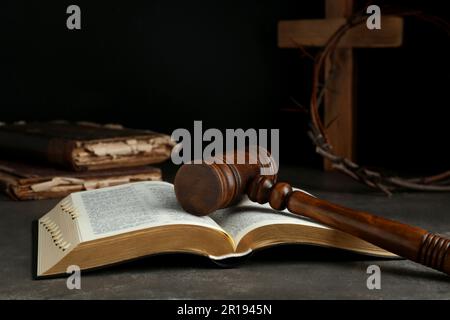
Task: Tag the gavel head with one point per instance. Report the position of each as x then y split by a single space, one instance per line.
219 182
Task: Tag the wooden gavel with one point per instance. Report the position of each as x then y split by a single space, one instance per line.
203 188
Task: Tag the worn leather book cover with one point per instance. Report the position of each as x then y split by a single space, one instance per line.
82 147
23 181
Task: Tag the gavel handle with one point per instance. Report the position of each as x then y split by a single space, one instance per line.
413 243
410 242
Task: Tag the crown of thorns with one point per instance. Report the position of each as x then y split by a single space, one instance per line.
318 134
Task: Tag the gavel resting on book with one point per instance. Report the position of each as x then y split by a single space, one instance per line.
203 188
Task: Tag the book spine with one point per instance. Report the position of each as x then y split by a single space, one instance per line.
37 148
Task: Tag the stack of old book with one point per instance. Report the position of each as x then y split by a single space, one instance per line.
50 160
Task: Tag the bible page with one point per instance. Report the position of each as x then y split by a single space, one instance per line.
140 205
239 220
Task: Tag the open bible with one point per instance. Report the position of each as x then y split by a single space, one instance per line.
101 227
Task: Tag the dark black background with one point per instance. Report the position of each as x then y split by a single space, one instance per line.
161 64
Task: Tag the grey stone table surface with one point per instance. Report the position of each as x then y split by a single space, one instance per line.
286 272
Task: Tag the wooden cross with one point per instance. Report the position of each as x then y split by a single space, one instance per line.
339 98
